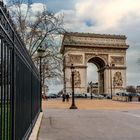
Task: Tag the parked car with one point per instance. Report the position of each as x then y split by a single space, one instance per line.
138 94
52 96
127 94
95 95
103 94
88 95
100 96
106 95
123 93
78 95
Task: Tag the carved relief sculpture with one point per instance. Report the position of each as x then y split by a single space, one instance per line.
77 79
117 79
117 60
78 59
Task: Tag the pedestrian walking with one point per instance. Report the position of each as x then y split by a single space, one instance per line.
91 96
130 97
63 97
44 97
85 95
67 97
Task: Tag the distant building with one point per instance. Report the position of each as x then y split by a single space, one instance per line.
137 89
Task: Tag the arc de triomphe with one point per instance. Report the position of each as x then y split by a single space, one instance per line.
107 52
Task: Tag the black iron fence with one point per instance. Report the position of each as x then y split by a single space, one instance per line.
19 84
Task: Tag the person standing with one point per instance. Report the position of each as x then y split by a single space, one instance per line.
130 97
91 96
67 97
63 97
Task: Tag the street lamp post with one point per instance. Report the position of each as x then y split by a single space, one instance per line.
91 85
40 52
73 106
111 80
114 87
111 65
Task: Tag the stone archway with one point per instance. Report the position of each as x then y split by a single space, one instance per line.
100 64
107 52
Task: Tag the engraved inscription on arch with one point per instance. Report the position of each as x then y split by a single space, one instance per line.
117 60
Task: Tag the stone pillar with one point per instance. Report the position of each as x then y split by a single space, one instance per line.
106 81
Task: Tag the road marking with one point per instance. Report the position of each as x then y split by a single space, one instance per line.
135 115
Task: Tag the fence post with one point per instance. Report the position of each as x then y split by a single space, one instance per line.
21 101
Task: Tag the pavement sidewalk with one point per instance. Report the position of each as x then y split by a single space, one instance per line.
90 104
119 122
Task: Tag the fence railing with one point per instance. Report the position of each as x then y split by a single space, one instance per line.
19 83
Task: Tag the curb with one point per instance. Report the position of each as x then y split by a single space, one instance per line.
35 130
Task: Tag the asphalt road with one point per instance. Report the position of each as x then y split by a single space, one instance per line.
66 124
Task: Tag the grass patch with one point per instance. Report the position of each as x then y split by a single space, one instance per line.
5 121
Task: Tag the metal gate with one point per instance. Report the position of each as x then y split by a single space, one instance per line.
19 83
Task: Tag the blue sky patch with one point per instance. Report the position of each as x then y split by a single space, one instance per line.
89 23
57 5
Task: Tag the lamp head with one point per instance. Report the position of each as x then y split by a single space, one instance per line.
113 65
40 52
72 68
107 66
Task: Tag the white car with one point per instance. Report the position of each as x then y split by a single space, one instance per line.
93 95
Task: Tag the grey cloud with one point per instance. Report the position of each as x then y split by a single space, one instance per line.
127 21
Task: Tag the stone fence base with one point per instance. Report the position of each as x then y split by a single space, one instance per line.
125 98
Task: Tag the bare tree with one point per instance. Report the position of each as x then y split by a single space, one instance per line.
35 28
39 28
131 89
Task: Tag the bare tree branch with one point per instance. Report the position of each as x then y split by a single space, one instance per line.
40 29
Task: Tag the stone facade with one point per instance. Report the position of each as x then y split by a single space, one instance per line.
103 51
138 89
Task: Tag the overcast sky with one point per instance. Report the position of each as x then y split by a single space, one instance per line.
105 17
109 17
